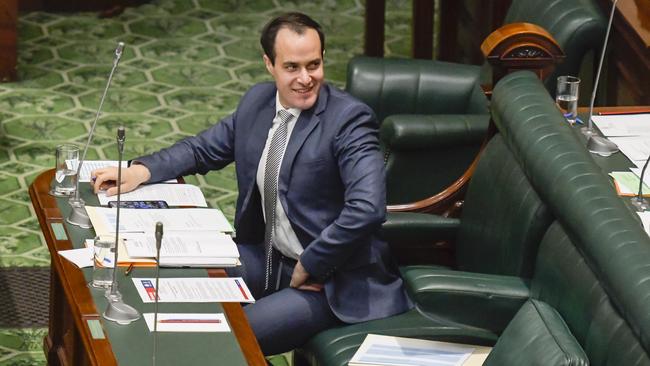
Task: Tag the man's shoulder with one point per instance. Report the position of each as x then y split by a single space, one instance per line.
338 99
260 91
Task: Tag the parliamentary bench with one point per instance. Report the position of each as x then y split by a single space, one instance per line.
551 266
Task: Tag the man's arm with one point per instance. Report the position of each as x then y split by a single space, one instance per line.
361 169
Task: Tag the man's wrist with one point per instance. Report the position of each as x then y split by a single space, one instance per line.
141 172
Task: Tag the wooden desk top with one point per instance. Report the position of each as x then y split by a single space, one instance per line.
74 285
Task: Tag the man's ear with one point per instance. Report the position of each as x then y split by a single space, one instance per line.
268 64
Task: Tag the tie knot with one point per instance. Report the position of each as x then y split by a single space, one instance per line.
284 115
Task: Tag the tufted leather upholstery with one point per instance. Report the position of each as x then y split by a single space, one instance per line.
589 291
427 89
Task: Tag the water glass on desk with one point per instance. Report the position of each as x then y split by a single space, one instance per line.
566 97
65 176
103 261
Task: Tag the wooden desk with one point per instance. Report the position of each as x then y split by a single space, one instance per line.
70 341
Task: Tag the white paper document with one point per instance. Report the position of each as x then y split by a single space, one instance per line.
188 322
645 220
204 249
396 351
194 289
90 165
623 125
133 220
81 258
635 148
173 194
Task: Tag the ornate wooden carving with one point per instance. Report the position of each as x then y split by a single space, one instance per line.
521 46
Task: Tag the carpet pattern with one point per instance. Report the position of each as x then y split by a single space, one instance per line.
186 64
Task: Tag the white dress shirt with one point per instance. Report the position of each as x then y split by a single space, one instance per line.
285 239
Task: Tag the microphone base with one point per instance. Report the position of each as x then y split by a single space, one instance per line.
588 131
640 204
601 146
120 313
78 215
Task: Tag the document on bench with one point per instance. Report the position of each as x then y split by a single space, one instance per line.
207 249
379 350
635 148
173 194
627 183
133 220
187 322
623 125
90 165
194 289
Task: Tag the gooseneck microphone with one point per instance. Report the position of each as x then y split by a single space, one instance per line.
159 236
638 201
78 215
598 144
117 310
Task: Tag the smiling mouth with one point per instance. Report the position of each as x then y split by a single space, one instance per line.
303 90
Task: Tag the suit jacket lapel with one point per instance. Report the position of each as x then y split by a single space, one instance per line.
258 134
306 123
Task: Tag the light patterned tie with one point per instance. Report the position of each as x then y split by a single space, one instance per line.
271 169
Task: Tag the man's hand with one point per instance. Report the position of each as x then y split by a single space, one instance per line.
300 277
132 177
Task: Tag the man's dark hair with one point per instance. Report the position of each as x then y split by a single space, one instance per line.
295 21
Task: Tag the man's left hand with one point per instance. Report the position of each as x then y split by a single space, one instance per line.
300 277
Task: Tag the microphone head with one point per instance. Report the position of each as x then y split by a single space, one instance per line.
119 49
121 133
159 234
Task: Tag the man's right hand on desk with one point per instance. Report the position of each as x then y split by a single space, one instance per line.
105 178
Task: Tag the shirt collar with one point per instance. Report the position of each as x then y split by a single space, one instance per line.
294 111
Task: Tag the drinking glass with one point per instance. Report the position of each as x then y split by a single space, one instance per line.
65 177
103 261
566 97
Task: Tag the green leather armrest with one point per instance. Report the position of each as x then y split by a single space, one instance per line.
537 336
480 300
407 86
409 227
433 132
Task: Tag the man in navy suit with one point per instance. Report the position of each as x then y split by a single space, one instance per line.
310 201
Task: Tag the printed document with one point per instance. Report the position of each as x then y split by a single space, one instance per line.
173 194
395 351
194 289
623 125
90 165
189 322
133 220
635 148
206 249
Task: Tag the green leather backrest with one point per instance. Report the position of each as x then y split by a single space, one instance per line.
578 26
537 335
565 280
579 194
409 86
417 149
503 220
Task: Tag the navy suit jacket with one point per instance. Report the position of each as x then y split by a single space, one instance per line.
331 186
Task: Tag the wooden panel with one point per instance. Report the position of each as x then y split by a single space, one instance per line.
628 72
8 39
374 28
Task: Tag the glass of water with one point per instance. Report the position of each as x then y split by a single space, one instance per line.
566 97
65 177
103 261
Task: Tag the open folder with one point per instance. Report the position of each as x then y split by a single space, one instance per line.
192 237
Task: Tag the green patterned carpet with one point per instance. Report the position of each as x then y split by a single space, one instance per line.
185 66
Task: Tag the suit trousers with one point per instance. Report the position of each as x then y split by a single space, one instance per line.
283 318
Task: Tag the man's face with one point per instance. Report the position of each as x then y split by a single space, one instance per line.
298 68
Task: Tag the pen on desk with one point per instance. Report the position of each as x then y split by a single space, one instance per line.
127 272
200 321
624 111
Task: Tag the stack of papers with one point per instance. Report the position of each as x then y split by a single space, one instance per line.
194 289
173 194
377 350
193 237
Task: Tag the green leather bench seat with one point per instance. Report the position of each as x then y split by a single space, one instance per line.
588 299
450 98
